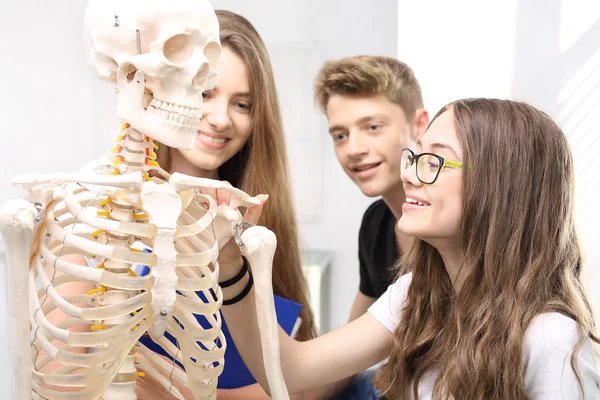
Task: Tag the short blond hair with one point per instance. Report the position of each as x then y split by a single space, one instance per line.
365 75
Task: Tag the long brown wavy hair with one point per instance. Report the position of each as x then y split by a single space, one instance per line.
521 259
261 164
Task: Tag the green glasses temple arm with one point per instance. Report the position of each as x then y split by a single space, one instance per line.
454 164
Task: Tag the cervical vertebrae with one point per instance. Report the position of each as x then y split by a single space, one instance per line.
133 153
84 344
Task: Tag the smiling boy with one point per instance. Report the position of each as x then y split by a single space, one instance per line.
374 107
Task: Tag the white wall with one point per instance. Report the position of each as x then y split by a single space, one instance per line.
560 72
545 52
45 105
461 48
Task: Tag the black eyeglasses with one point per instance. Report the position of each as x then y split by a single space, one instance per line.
429 165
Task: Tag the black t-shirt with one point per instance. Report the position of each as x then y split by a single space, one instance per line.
377 249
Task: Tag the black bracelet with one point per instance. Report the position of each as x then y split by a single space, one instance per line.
238 277
244 293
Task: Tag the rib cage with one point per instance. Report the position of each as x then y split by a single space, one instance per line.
82 219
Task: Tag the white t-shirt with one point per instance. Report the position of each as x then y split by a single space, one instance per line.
547 349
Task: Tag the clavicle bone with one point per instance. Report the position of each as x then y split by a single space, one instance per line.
131 181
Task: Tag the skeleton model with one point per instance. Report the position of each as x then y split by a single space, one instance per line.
162 55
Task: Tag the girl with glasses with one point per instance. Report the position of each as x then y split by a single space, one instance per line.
489 302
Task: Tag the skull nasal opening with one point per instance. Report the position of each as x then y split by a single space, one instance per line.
178 49
200 78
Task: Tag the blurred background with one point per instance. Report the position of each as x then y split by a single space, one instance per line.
56 115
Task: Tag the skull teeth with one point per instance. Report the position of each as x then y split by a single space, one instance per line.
175 113
174 117
176 109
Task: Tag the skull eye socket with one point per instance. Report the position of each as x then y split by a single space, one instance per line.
178 49
212 51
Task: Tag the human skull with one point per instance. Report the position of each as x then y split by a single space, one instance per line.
178 55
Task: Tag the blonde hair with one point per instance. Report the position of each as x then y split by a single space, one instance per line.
521 259
261 164
369 75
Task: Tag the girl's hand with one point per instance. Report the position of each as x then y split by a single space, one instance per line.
230 258
231 252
